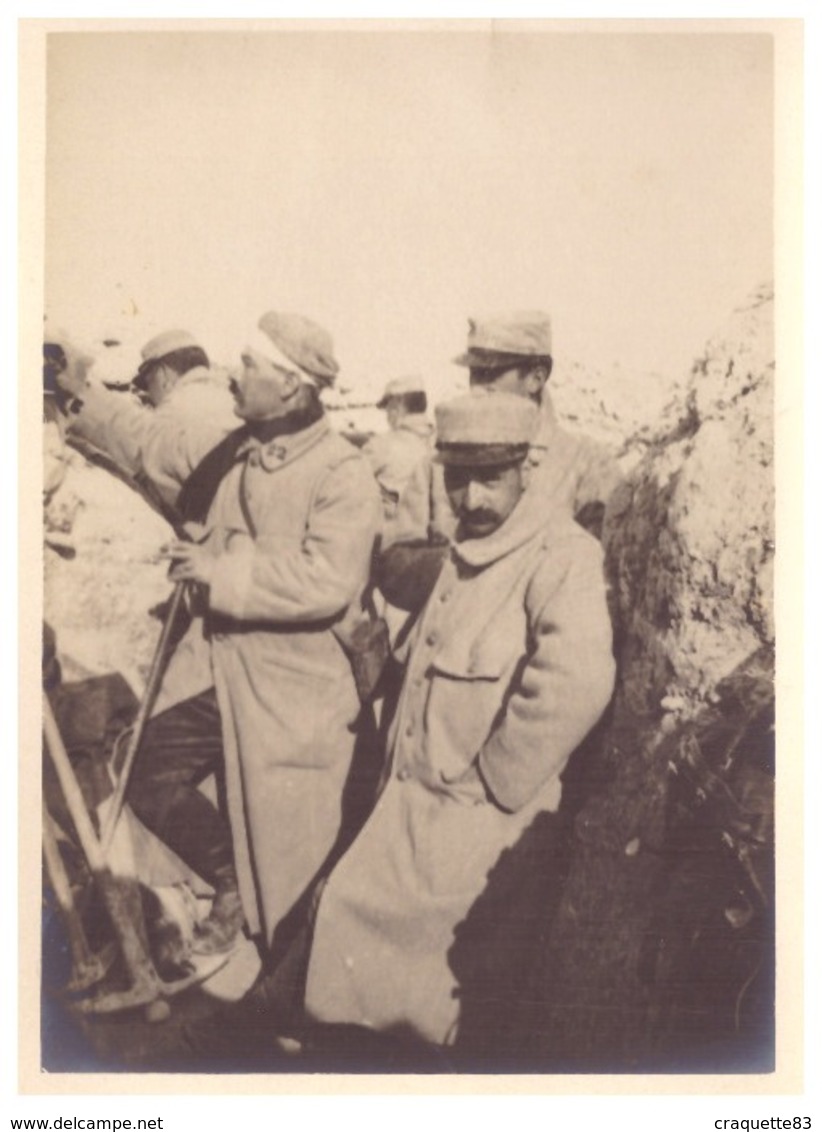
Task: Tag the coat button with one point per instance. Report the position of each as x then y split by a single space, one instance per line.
431 639
409 731
403 774
444 596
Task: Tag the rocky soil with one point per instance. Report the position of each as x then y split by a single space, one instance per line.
661 951
690 538
98 599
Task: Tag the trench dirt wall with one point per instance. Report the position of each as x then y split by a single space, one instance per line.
661 952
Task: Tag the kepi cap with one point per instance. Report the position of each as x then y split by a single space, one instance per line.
305 343
399 387
506 339
485 428
160 347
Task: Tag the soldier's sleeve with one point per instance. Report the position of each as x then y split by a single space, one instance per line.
321 577
399 508
568 678
411 519
175 446
163 445
114 423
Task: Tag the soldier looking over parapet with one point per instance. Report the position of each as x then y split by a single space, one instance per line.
192 411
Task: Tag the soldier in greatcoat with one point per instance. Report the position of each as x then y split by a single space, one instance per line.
508 668
290 512
399 455
193 410
190 410
512 353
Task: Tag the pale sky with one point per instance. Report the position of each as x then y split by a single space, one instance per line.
392 183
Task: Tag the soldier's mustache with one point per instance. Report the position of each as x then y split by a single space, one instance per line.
482 515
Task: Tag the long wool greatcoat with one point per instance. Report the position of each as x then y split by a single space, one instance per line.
284 685
509 668
398 457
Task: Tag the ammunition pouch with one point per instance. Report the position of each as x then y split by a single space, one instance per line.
366 644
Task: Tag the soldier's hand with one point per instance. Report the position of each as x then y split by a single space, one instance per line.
190 562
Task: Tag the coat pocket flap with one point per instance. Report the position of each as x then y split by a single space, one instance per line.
471 661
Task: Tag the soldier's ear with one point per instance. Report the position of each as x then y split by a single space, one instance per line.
543 371
291 384
536 378
170 378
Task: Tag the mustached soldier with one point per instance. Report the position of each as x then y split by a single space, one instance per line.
507 669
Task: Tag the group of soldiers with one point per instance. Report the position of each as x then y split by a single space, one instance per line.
456 564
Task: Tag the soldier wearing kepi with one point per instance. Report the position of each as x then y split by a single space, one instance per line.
399 455
290 512
507 669
60 356
512 353
192 411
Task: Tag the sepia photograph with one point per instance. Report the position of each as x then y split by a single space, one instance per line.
412 392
